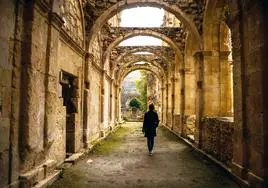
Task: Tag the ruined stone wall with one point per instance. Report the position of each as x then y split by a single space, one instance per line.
218 134
177 123
71 62
96 50
7 24
249 107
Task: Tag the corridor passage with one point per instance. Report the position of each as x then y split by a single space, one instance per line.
122 161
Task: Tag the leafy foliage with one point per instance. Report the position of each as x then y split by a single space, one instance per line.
141 86
135 104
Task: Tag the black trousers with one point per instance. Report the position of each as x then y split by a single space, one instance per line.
150 143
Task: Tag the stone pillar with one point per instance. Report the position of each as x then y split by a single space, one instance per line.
11 42
163 105
265 91
167 104
199 97
249 37
52 82
33 69
182 102
102 97
240 155
173 102
116 103
211 84
177 96
111 100
86 99
226 90
119 105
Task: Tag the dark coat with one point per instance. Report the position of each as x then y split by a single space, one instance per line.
150 123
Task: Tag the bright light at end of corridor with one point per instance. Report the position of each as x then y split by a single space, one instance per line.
142 17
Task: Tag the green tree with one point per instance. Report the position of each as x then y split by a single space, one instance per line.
134 104
141 86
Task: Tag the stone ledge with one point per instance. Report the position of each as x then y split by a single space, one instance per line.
38 174
73 158
48 181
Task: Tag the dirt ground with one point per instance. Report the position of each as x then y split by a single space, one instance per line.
122 161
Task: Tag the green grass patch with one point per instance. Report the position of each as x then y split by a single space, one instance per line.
171 136
110 143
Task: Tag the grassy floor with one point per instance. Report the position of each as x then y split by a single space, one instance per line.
171 136
109 144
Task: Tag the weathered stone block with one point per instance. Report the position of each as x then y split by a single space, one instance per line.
4 166
4 139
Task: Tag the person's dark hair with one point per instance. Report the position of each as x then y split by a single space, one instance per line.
151 107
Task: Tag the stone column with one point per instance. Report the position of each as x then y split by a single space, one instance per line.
172 102
177 96
199 97
86 98
116 103
182 101
102 97
240 161
167 104
111 100
52 82
33 85
163 105
226 90
211 84
119 105
265 91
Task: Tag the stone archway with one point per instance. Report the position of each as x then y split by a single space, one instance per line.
147 67
151 59
139 32
125 51
180 10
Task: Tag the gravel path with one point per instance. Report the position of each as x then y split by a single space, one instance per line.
122 161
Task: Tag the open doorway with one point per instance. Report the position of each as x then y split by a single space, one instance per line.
69 87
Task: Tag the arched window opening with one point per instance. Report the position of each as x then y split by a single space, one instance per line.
139 89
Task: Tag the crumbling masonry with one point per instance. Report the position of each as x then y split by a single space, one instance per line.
61 70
